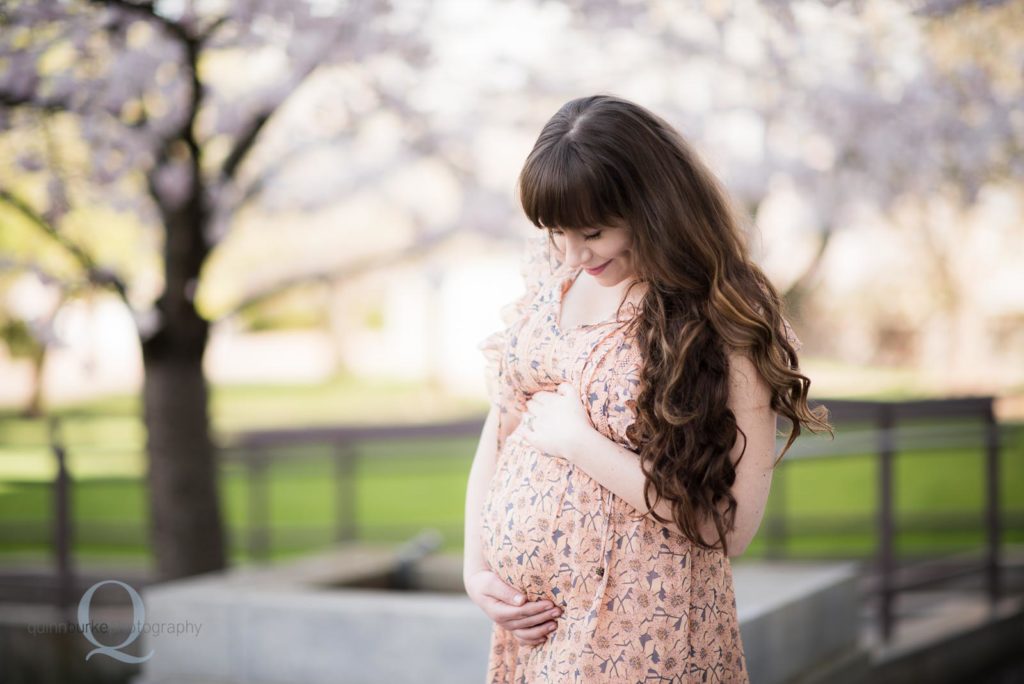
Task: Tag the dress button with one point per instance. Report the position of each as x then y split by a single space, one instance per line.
599 572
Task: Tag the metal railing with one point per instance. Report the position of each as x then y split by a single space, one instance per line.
879 428
256 450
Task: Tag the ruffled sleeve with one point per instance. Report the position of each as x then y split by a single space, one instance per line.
537 263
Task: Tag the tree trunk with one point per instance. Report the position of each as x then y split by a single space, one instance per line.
34 407
803 287
186 530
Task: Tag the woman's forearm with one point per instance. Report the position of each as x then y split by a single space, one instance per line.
480 475
615 467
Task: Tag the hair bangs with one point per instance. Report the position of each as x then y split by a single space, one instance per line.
559 188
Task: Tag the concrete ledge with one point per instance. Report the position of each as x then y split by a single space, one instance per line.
293 623
797 618
960 654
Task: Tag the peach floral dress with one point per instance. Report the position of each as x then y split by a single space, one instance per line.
639 602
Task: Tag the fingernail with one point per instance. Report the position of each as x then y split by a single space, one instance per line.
518 598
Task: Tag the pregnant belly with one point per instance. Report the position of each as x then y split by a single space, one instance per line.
522 518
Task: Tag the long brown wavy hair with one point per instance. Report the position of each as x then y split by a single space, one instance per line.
601 161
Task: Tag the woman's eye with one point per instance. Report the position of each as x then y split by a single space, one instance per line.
560 233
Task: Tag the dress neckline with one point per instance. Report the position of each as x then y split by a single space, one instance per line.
564 284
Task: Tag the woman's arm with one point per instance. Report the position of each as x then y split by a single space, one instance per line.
617 468
479 478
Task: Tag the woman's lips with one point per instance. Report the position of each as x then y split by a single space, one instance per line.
597 271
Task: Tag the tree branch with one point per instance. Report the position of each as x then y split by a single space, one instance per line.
212 28
247 138
339 274
8 264
148 10
96 274
50 105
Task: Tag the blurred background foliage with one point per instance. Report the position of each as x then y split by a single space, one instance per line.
336 201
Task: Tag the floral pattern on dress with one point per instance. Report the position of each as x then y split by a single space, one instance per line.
640 602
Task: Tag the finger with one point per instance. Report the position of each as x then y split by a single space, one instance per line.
504 593
506 613
534 633
535 620
513 599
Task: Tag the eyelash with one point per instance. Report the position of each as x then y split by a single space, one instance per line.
585 237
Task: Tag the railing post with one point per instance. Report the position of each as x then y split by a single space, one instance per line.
62 531
345 460
886 560
259 506
993 524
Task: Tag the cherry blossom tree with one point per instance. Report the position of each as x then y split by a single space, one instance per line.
170 142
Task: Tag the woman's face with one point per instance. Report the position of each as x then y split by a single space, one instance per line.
604 253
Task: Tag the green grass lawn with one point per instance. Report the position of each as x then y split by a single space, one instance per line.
403 487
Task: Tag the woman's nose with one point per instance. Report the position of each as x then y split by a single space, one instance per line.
576 255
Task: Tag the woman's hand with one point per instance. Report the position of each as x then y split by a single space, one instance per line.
554 421
531 621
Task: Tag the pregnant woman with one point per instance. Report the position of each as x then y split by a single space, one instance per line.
630 445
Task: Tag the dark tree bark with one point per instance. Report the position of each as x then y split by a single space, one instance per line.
185 522
186 525
34 407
